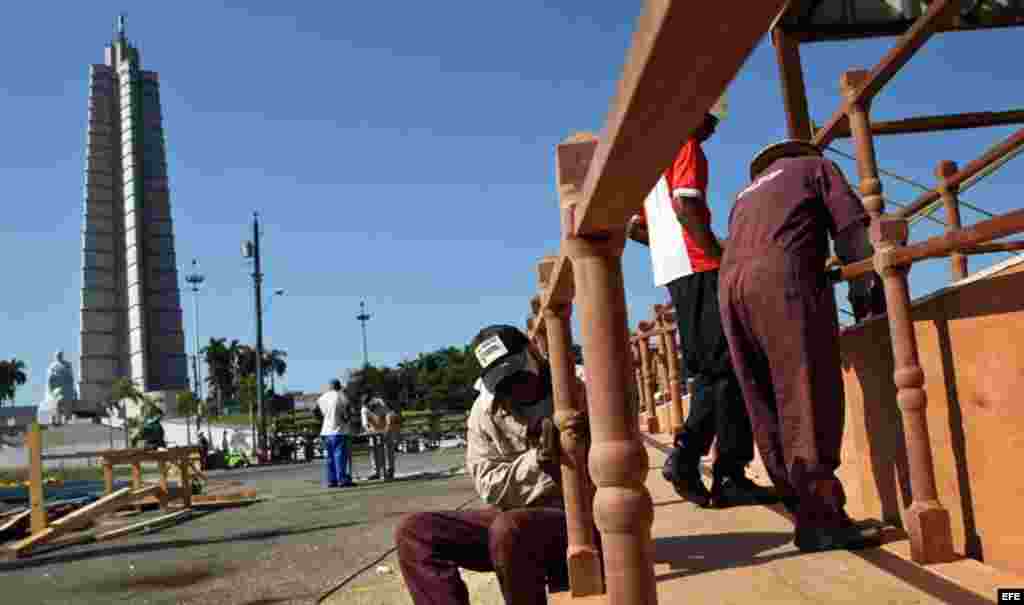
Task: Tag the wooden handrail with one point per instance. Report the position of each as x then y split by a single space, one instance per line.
992 155
971 240
909 43
959 121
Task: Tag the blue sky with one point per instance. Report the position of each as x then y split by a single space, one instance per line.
401 154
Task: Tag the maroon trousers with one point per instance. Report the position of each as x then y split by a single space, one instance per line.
526 548
779 315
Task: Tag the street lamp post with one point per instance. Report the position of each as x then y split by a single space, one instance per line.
195 279
364 317
252 249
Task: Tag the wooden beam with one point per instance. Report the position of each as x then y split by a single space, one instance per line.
991 156
1015 246
15 520
161 520
963 240
794 91
836 32
173 454
34 439
939 12
76 519
683 56
957 121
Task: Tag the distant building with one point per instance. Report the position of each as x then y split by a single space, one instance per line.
303 401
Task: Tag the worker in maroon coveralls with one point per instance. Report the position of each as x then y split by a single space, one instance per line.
779 315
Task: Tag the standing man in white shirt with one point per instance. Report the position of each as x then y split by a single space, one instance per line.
335 434
685 257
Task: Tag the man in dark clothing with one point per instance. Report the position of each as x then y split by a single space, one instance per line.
204 452
513 456
779 314
685 254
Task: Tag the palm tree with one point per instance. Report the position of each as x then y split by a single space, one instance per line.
12 376
222 362
275 363
188 406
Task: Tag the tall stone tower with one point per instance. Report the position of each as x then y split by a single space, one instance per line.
131 310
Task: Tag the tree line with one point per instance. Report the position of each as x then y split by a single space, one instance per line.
437 381
231 370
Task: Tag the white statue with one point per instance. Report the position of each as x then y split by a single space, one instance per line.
60 392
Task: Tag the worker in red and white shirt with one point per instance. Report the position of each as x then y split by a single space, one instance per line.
685 256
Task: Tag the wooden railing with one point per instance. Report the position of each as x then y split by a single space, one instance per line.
682 57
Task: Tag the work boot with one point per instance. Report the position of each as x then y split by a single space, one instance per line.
682 470
738 490
848 536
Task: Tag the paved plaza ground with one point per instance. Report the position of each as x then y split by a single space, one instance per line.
305 541
291 548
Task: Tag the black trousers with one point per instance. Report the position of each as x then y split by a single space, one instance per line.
717 407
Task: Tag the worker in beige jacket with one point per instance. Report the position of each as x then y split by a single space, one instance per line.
513 457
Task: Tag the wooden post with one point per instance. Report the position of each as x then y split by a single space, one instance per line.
661 364
36 496
136 475
794 92
108 477
164 492
928 523
618 460
584 558
186 482
649 377
946 169
668 343
137 481
641 391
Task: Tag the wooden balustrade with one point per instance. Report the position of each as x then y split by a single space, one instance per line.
928 522
945 171
674 381
584 558
602 183
649 385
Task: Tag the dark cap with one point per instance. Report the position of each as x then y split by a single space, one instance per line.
783 149
501 351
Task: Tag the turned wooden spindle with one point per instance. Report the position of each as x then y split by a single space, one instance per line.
638 376
661 365
618 459
542 338
584 558
668 344
928 523
951 202
647 368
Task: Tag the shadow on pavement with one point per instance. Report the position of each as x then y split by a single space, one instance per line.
922 579
362 486
712 552
148 547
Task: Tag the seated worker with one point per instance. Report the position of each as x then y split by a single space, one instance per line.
513 457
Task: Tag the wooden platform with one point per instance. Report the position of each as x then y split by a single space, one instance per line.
745 555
